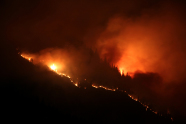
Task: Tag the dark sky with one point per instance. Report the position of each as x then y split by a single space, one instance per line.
49 23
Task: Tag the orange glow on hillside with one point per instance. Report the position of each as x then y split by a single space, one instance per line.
28 58
53 67
132 61
54 63
122 71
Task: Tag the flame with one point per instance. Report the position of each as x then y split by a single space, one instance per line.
123 71
76 84
28 58
53 67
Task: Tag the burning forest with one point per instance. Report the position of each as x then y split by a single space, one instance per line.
110 78
133 49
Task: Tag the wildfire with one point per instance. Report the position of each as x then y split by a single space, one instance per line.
122 71
135 99
76 84
28 58
53 67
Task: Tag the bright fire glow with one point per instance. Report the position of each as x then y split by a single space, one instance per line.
122 70
76 84
53 67
28 58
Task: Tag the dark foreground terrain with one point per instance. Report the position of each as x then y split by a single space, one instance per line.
31 93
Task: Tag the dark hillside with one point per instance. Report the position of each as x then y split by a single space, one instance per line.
32 93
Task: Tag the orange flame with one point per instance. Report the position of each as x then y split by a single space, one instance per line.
53 67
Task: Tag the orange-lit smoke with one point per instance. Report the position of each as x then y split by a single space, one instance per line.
146 43
55 59
71 61
153 41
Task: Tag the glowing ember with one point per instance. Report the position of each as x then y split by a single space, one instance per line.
53 67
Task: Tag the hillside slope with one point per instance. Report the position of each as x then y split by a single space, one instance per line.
32 93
